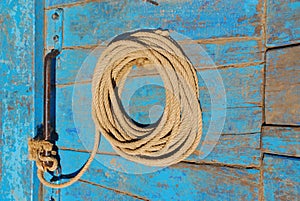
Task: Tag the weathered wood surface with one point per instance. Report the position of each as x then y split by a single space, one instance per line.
282 96
281 178
179 182
239 53
93 22
84 191
281 140
282 23
231 33
17 97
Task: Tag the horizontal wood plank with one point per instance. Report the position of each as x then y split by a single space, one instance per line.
282 91
232 149
240 52
281 140
283 25
281 178
205 182
95 22
87 192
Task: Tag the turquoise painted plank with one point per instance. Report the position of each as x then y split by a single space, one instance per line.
178 182
221 54
17 97
83 191
93 22
60 2
233 149
282 99
281 178
283 25
281 140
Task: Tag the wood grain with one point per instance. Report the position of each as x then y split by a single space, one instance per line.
178 182
87 192
282 23
281 140
282 98
95 22
281 178
17 97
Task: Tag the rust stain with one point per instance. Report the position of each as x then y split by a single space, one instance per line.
242 18
226 40
10 108
161 185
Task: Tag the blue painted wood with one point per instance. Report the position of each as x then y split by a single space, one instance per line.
282 96
179 182
281 140
83 191
230 32
283 25
223 53
281 178
93 22
17 97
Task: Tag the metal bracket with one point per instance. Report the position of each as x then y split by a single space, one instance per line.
58 17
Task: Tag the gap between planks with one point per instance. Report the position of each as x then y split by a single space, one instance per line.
192 162
240 65
68 5
114 190
220 40
281 155
280 125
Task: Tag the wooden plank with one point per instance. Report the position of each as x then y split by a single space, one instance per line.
281 178
94 22
234 150
243 113
225 53
205 182
87 192
283 25
17 93
281 140
61 2
282 98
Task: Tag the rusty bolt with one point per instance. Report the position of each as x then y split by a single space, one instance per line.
55 16
55 38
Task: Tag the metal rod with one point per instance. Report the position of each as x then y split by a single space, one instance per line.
48 64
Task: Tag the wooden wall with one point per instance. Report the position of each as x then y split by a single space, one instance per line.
254 46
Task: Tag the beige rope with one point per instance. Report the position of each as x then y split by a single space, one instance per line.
175 136
179 130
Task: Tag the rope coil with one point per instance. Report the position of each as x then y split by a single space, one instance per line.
176 135
171 139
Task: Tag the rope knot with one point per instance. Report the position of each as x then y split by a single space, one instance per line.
44 153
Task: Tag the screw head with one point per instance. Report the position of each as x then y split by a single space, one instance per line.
55 16
55 38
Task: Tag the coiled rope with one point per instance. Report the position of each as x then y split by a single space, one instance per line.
175 135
